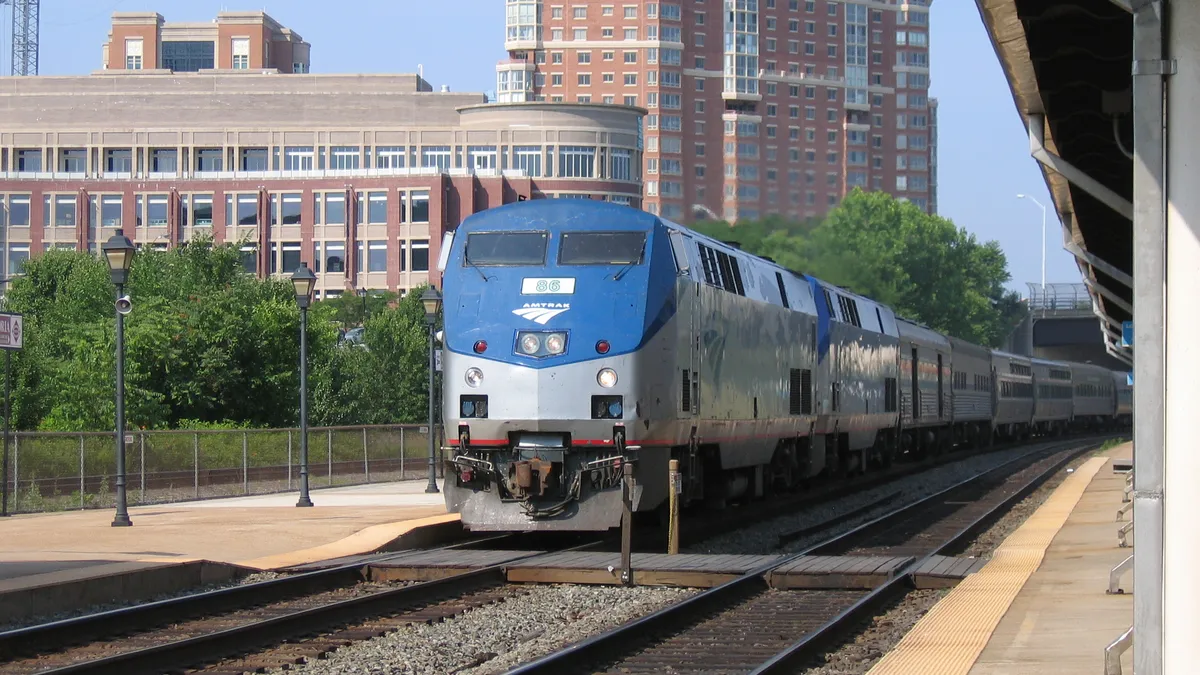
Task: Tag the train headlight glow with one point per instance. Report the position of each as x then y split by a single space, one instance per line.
530 343
474 377
555 343
607 377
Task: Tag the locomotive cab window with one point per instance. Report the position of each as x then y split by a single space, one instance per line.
506 248
602 248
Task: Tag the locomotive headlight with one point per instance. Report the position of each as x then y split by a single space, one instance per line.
474 377
607 377
530 343
555 343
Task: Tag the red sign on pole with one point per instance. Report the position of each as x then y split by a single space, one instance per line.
12 331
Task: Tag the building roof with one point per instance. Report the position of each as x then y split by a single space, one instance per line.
1070 60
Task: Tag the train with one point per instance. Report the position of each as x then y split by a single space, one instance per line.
580 336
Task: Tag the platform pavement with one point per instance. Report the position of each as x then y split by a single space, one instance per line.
261 531
1042 608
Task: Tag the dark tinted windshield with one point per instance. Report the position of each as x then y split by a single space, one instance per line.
506 248
601 248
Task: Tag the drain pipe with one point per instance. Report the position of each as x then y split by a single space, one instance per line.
1074 176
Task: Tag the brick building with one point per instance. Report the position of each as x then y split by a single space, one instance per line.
294 166
755 106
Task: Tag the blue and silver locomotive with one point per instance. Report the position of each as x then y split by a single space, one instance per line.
581 335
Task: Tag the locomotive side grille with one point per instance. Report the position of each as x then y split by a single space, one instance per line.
685 394
800 392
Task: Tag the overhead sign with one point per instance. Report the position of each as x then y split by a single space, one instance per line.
12 331
1126 333
437 360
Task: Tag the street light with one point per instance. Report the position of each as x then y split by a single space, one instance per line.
432 300
303 280
362 293
119 251
1043 207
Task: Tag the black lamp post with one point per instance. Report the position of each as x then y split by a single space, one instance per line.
433 303
119 251
362 293
303 280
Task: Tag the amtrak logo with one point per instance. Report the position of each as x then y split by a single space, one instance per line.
541 312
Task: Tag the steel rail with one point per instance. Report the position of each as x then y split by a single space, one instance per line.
818 641
671 619
57 635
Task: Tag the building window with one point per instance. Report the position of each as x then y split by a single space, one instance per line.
298 158
290 257
622 164
420 255
106 210
576 162
335 256
188 57
164 160
481 157
420 206
64 211
133 54
17 255
253 159
291 213
156 210
391 157
344 158
209 160
377 208
377 256
118 160
436 157
202 210
528 158
241 53
29 159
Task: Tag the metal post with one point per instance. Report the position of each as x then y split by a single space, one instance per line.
245 465
627 525
432 487
142 459
673 492
82 469
4 498
304 498
1113 652
366 457
1151 187
289 459
196 463
121 519
329 456
402 457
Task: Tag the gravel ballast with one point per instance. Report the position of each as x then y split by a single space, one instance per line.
495 638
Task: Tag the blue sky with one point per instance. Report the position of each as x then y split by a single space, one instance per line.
983 156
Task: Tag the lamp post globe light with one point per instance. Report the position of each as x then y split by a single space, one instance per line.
432 300
119 252
303 280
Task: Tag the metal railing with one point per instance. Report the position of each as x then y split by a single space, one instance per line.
1059 298
61 471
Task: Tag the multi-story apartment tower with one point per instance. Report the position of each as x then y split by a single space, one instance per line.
755 106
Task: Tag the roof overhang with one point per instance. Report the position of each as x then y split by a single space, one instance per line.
1069 65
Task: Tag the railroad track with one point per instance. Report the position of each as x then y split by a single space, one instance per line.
281 621
746 626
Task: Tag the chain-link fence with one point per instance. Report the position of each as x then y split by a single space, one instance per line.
60 471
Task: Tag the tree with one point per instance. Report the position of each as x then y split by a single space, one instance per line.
922 266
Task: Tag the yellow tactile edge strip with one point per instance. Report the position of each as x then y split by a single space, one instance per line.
363 541
949 639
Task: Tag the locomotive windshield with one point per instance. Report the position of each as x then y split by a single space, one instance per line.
602 248
506 248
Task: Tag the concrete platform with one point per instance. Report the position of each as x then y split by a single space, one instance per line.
1039 605
231 537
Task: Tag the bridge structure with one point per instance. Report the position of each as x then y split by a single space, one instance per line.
1061 324
1108 92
